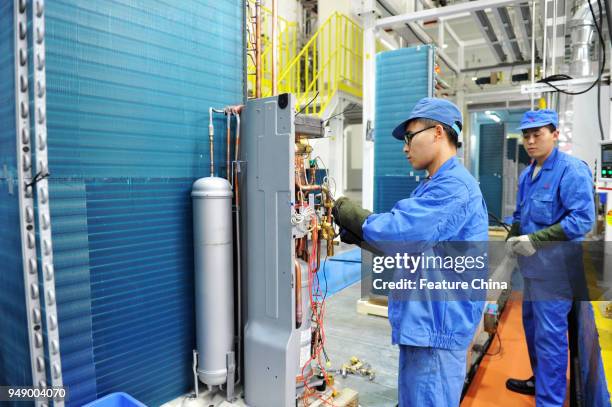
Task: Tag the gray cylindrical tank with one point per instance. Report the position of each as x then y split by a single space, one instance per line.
214 276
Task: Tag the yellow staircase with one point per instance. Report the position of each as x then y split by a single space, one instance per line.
329 62
287 48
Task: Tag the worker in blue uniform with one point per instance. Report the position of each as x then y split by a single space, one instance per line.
433 336
554 204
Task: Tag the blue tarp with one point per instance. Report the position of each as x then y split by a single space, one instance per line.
340 271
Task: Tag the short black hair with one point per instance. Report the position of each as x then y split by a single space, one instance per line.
450 132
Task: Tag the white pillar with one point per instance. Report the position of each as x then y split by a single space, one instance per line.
336 150
369 88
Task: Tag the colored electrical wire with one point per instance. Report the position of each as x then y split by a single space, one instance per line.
308 104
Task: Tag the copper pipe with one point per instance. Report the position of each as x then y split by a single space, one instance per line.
274 46
298 294
301 252
227 165
318 254
328 204
300 179
308 187
258 49
211 136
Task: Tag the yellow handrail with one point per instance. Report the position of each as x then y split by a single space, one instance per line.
286 44
330 61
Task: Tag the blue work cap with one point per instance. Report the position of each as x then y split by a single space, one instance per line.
539 118
440 110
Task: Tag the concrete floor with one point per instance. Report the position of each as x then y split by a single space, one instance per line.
369 339
349 334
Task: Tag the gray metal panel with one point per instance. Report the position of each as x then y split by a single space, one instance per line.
271 340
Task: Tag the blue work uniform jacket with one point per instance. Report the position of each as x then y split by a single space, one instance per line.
446 207
562 192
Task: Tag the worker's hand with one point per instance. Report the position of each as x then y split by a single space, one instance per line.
349 237
521 245
515 230
348 215
336 208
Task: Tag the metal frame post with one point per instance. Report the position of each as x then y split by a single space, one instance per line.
26 199
42 194
369 88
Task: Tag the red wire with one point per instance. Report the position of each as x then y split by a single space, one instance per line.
318 310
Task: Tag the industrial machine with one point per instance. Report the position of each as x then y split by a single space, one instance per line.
605 173
283 210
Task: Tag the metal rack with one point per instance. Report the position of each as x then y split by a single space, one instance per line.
42 194
26 145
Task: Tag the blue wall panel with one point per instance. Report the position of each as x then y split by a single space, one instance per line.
129 87
73 286
141 262
129 84
491 155
402 78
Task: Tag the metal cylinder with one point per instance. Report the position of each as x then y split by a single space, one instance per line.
582 29
214 276
581 37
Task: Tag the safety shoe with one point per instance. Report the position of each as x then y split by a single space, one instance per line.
522 386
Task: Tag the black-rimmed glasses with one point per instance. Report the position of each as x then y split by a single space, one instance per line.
408 136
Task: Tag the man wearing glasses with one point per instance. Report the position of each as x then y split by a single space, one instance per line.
554 204
433 336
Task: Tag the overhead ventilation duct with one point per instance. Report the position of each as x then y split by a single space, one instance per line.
581 28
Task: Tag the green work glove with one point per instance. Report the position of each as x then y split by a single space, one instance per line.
554 233
515 230
526 245
350 216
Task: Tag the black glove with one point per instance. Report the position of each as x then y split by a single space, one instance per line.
348 215
515 230
349 237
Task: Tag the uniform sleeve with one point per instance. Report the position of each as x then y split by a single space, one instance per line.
576 193
434 216
516 216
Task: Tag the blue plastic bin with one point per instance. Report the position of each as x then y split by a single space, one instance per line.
118 399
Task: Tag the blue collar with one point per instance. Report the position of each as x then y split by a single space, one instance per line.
448 164
550 161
